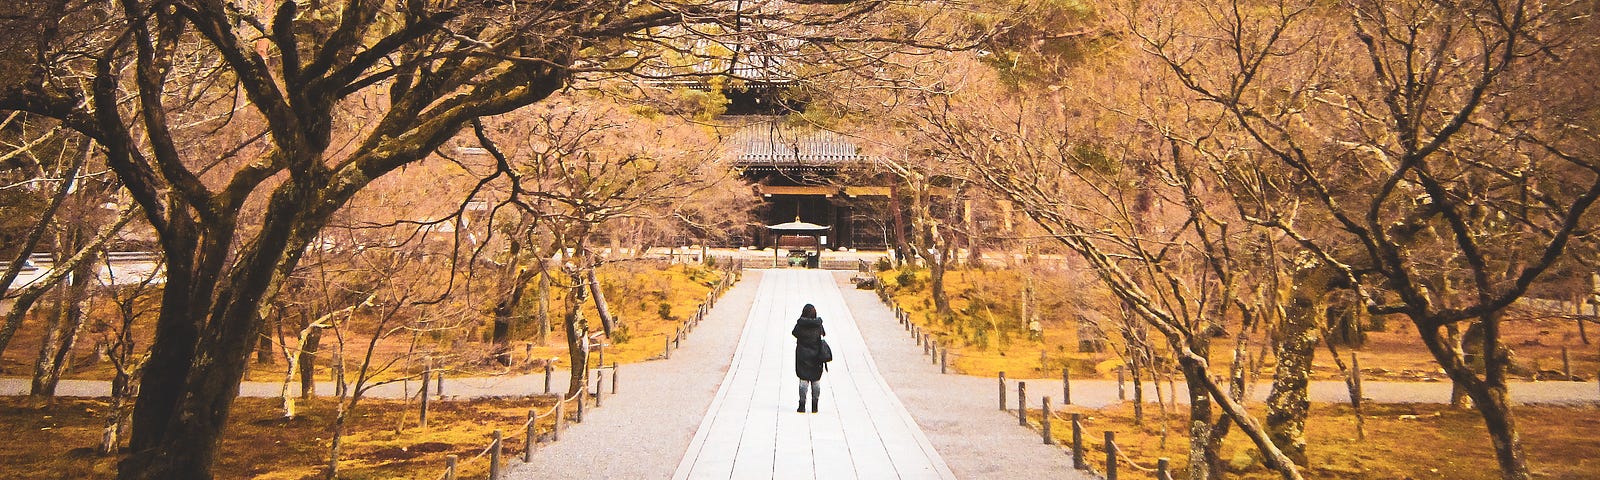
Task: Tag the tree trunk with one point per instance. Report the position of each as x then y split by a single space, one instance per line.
55 351
941 302
203 334
542 337
902 251
307 363
974 235
264 353
1296 346
1204 462
1488 393
600 305
336 446
1138 387
577 330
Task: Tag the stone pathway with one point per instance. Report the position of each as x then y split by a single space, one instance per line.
752 430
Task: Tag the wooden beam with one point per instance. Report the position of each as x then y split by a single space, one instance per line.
797 190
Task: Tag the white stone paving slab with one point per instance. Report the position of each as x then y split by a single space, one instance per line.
751 429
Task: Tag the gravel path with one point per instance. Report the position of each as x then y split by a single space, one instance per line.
643 430
958 413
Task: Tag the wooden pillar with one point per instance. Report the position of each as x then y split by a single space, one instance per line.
494 457
1002 391
1022 403
944 355
1111 455
1066 387
450 467
1077 442
1044 421
532 439
561 420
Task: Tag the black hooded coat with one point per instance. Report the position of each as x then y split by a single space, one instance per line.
808 333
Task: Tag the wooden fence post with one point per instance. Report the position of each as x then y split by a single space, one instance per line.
577 416
561 420
1111 455
1002 391
532 439
599 381
438 384
1044 421
422 415
613 377
494 457
600 353
547 370
1066 387
450 467
1163 469
1077 442
944 359
667 352
1022 403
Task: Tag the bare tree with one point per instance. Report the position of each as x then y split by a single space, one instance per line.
278 78
1408 130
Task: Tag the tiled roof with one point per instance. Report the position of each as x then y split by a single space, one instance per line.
772 143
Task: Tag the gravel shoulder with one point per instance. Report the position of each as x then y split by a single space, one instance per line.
958 413
643 430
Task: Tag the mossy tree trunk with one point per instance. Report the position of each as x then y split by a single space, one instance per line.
1294 349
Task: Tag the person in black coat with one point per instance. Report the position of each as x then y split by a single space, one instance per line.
808 355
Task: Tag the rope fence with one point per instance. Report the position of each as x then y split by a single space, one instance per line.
560 412
938 353
1115 456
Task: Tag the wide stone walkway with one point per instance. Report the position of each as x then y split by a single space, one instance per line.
751 429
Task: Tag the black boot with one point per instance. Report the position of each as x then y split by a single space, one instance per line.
802 408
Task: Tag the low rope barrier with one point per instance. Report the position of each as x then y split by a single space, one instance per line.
1121 455
559 408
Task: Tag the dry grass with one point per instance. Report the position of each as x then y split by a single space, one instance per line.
989 298
635 290
1403 441
57 440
